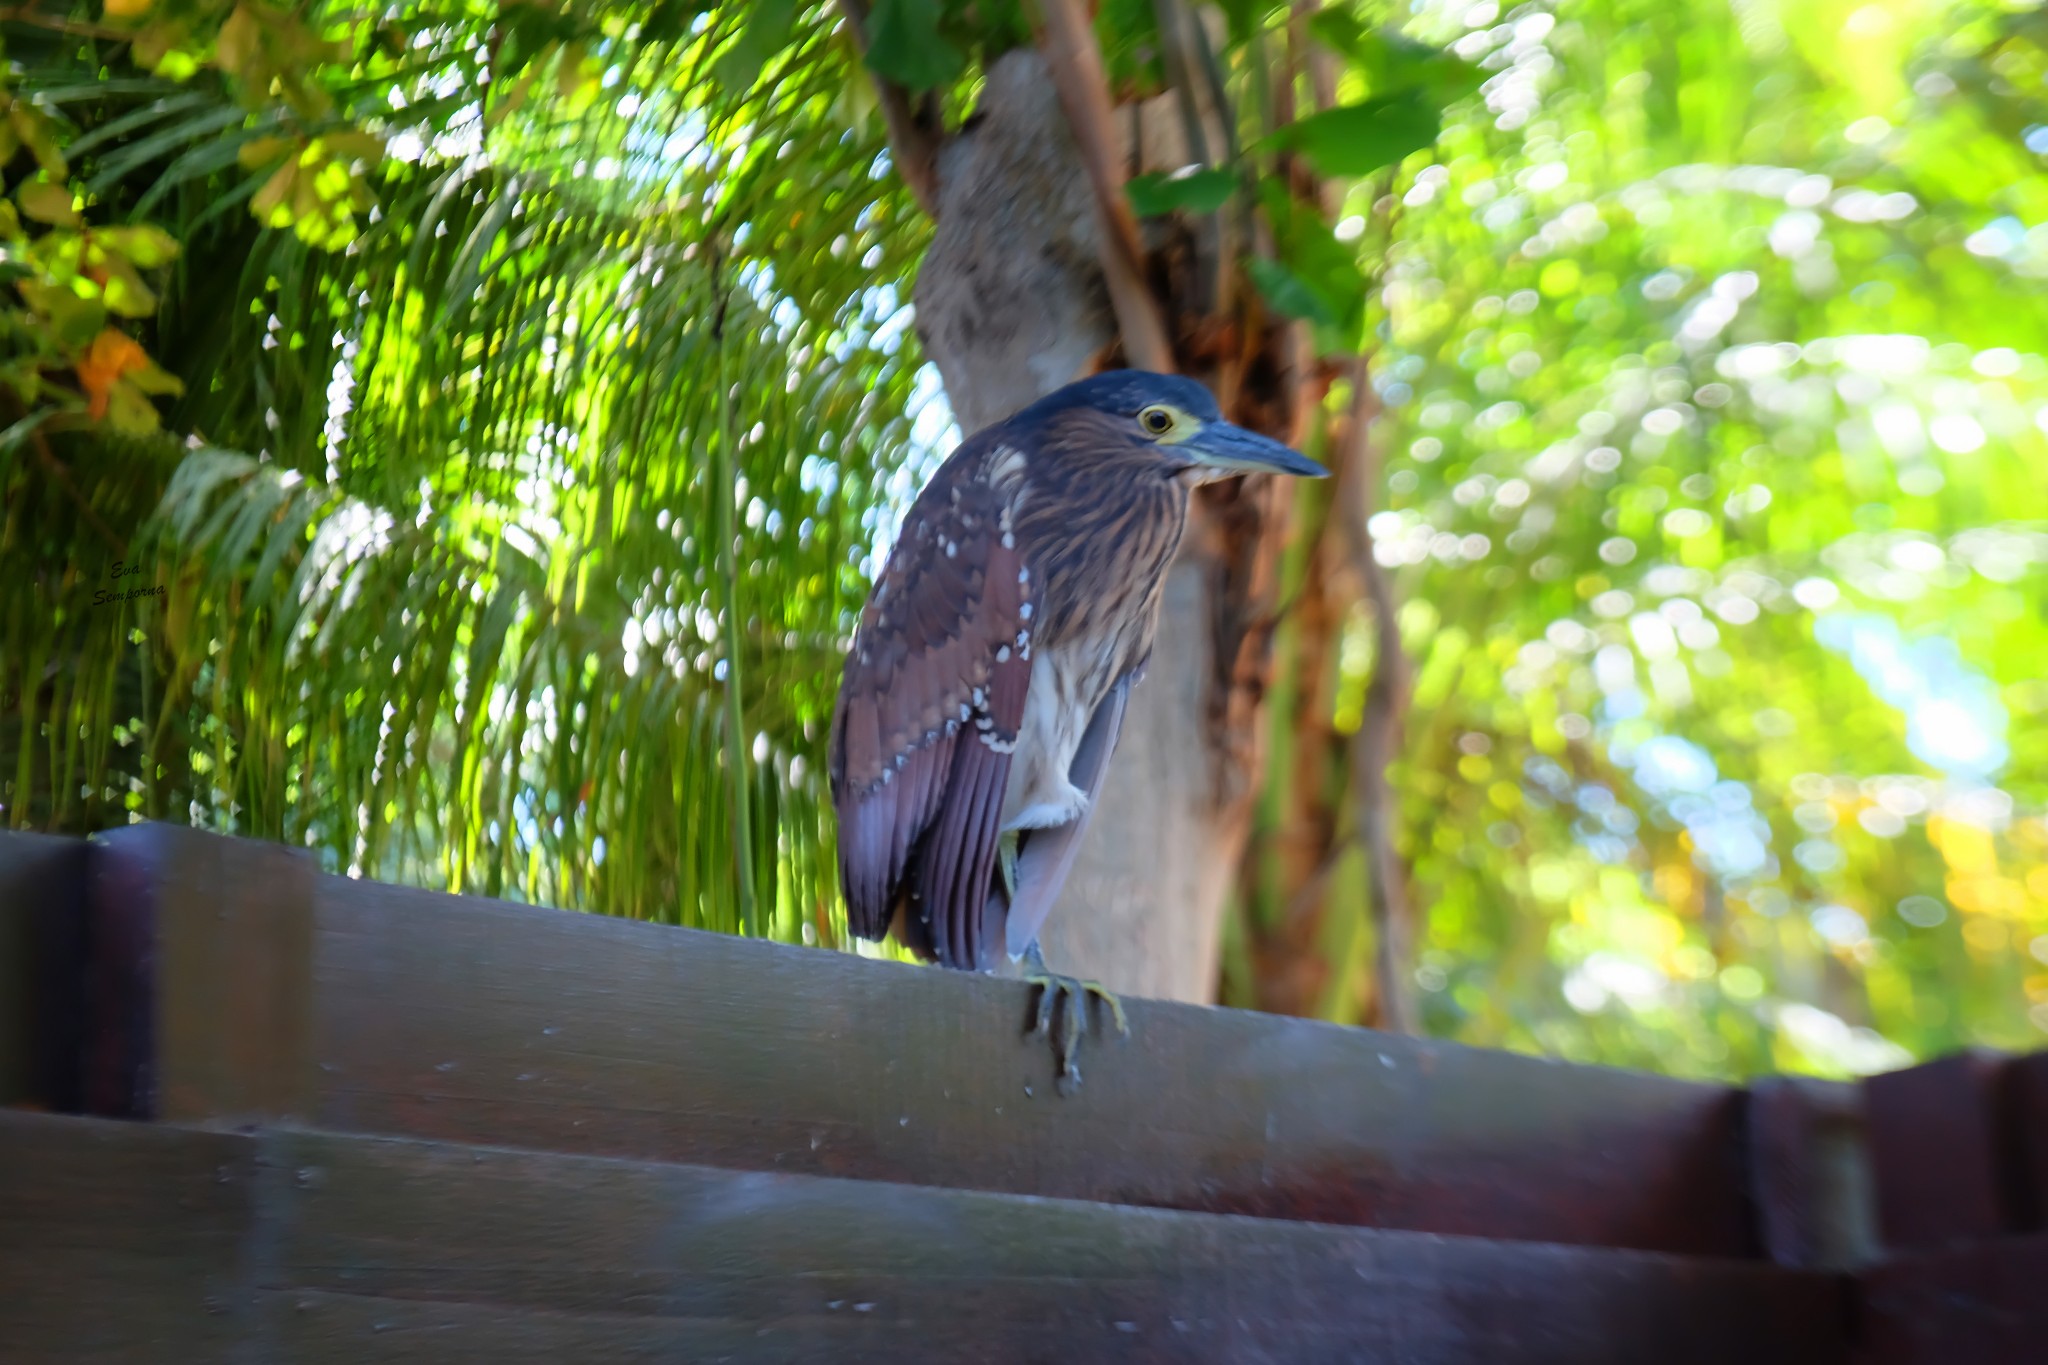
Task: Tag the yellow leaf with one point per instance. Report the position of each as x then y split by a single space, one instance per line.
156 45
498 108
355 146
128 9
269 205
306 195
125 292
153 378
128 410
149 247
569 76
240 41
35 134
48 203
261 152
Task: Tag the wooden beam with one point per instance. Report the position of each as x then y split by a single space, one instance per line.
1984 1302
1810 1164
201 1000
42 970
2028 1112
121 1241
470 1020
311 1247
269 992
1945 1152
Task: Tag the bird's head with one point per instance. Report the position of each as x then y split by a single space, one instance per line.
1166 418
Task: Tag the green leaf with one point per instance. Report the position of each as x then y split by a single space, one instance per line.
1313 259
1357 139
906 46
73 321
1392 63
766 33
1158 194
1242 18
1289 293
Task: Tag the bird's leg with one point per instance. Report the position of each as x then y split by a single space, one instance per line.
1006 859
1062 1013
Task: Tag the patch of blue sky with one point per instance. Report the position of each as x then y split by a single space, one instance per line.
1955 721
933 434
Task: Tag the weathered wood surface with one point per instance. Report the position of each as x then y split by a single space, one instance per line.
1810 1173
379 1009
1951 1152
203 961
145 1243
1984 1303
467 1020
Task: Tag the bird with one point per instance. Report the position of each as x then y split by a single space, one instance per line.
988 675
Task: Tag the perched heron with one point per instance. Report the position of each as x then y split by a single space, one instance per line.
986 683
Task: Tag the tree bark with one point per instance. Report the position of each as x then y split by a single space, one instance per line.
1012 304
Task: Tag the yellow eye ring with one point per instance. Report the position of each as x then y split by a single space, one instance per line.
1156 420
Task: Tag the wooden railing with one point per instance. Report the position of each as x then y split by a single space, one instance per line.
390 1124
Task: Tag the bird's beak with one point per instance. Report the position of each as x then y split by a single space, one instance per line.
1229 449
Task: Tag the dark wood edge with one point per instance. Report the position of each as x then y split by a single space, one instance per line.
42 970
1956 1147
1984 1303
1810 1173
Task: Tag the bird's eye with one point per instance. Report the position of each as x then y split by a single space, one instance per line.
1158 421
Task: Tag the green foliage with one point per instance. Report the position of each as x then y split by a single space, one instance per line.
1354 140
907 46
1199 191
1715 434
456 615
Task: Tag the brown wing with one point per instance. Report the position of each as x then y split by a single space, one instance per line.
928 712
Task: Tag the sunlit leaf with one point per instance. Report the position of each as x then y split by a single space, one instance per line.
906 46
1158 194
1289 293
1358 139
765 32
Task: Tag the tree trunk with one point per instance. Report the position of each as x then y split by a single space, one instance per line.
1011 304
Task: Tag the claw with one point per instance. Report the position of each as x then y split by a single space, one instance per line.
1062 1014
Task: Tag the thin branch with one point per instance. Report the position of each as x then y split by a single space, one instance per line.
913 141
1068 43
1180 74
58 471
1378 739
56 23
724 490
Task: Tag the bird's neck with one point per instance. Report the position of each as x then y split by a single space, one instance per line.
1102 545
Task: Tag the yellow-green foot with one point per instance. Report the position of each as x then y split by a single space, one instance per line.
1063 1014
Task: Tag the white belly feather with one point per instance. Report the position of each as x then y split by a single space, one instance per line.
1056 712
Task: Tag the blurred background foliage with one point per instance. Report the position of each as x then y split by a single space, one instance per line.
381 391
